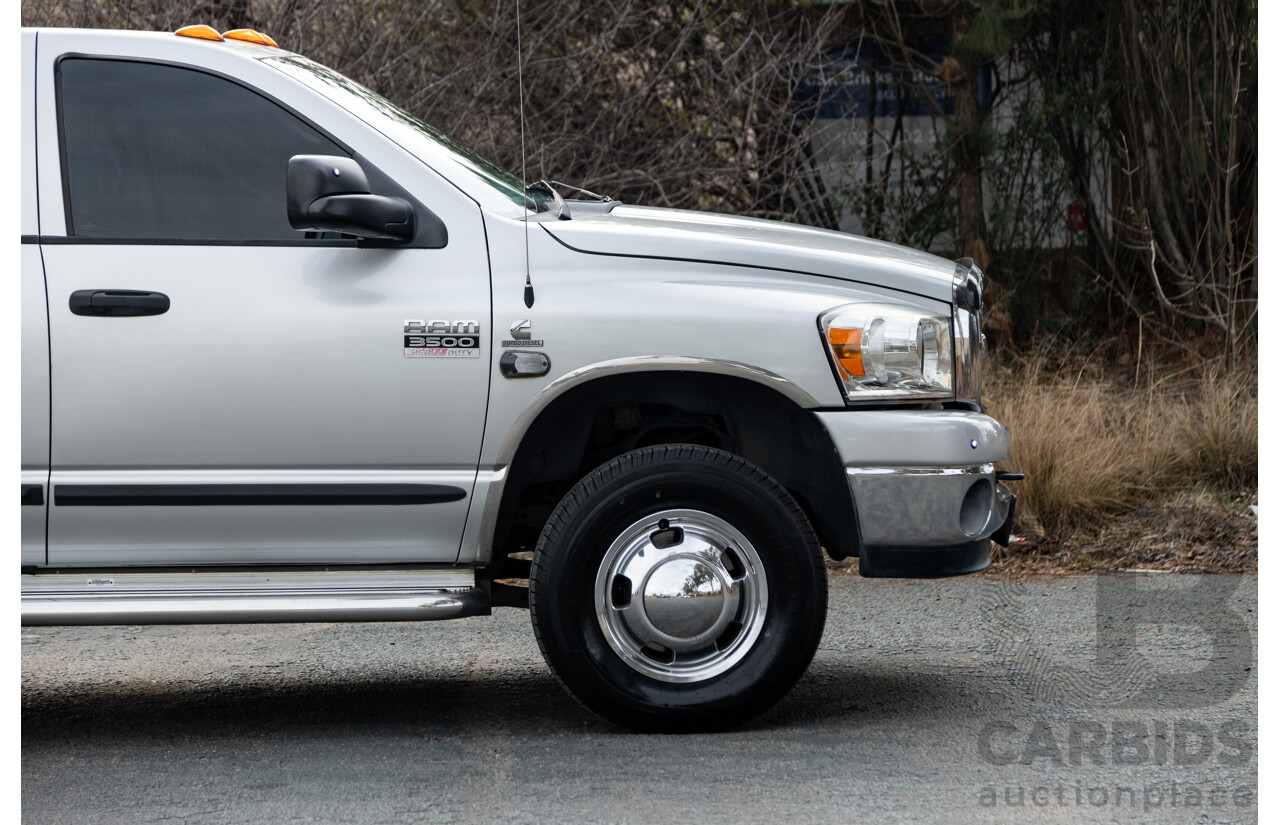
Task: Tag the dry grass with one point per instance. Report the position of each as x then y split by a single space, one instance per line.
1223 427
1091 448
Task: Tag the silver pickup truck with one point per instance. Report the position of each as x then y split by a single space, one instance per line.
290 354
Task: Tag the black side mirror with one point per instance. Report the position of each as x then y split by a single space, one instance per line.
331 193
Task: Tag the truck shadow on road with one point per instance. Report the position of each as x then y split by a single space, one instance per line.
524 700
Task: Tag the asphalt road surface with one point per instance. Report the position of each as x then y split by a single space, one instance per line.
1077 699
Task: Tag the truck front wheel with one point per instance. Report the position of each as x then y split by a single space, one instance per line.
678 588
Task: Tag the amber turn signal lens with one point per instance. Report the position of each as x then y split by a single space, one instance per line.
249 36
846 344
202 31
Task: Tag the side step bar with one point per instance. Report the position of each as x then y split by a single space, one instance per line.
95 597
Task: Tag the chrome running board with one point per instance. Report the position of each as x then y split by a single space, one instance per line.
212 596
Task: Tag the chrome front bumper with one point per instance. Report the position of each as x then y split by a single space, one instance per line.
924 487
927 507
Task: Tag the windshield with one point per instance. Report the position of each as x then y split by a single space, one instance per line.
353 96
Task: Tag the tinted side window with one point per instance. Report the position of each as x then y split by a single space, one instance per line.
155 151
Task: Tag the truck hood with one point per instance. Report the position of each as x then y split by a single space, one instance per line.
677 234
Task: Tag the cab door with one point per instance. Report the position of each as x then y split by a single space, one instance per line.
225 389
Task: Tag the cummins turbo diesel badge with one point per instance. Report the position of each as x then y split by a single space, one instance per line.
441 339
522 336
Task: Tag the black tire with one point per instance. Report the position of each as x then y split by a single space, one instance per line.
593 550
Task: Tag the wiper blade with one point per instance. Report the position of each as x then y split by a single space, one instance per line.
601 198
544 186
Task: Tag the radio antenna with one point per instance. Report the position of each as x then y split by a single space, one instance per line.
524 177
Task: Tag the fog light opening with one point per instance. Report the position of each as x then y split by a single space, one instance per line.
976 507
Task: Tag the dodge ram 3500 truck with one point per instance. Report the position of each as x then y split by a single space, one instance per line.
290 354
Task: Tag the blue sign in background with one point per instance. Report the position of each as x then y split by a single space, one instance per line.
839 85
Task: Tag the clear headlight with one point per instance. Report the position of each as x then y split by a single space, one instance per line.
885 351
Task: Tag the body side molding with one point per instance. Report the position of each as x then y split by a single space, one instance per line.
239 495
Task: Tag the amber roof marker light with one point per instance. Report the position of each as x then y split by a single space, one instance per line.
201 31
249 36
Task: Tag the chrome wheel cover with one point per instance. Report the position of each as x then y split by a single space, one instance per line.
681 596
